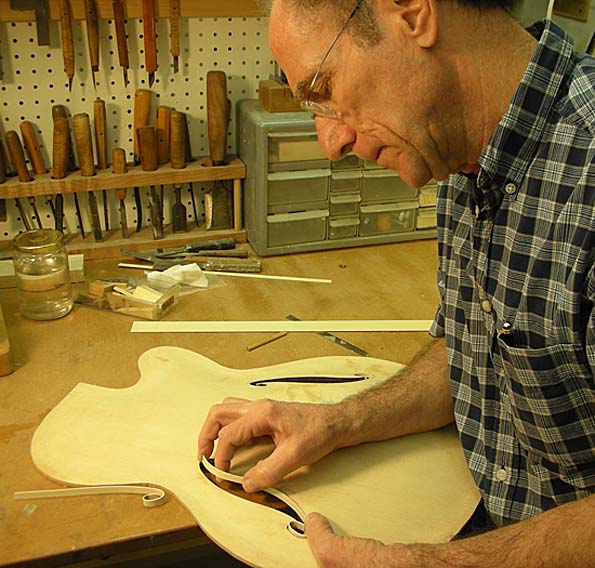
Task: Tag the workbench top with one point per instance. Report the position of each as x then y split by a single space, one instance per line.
392 281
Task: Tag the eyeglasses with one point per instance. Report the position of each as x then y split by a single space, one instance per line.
314 107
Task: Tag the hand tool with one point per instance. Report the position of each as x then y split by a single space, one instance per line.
60 164
120 22
162 124
92 20
139 208
41 17
59 111
174 23
119 167
178 161
162 129
179 123
99 120
142 111
225 244
3 215
147 143
84 146
243 265
219 200
334 339
148 13
36 160
17 155
67 40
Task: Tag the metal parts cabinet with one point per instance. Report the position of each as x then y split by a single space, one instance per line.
296 200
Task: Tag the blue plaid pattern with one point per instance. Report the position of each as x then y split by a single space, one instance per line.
516 277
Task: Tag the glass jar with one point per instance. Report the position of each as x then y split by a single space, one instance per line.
43 278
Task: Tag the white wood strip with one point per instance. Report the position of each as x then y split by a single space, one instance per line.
270 276
281 325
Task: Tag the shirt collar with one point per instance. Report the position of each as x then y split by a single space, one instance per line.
513 144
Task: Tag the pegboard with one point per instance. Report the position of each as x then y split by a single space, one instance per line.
34 81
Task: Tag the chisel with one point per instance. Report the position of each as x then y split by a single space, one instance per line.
148 13
174 24
218 201
84 146
67 40
3 215
120 22
147 143
17 155
142 112
178 162
60 164
119 167
59 111
188 158
99 120
92 36
35 158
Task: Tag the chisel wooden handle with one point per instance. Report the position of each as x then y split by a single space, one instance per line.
163 133
147 143
120 21
60 148
99 119
119 167
67 39
142 111
59 111
84 143
177 140
17 155
148 11
92 32
30 139
217 115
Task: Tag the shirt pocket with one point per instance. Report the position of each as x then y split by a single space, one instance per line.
552 398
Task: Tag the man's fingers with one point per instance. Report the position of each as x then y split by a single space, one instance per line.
320 537
219 416
272 469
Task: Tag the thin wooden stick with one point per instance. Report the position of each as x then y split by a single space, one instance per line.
266 341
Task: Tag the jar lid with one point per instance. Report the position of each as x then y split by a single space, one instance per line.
39 241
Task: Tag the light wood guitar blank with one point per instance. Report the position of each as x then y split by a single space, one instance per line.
416 488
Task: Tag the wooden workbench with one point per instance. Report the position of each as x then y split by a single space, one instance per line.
393 281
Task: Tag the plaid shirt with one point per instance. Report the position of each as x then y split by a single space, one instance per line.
516 276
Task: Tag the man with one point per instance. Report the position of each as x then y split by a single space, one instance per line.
457 91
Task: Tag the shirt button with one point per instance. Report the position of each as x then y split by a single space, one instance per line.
486 306
510 188
501 475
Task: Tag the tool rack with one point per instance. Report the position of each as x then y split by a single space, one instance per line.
197 171
227 36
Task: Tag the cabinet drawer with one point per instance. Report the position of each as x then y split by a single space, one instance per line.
388 218
294 147
295 228
297 187
385 185
348 181
344 204
343 228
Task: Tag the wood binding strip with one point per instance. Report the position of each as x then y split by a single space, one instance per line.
152 496
281 325
233 478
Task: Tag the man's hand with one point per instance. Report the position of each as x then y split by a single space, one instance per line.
302 433
332 551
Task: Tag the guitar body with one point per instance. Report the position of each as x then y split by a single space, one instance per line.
415 488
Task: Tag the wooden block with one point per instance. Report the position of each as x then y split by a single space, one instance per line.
6 365
276 97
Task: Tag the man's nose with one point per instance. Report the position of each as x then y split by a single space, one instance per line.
335 138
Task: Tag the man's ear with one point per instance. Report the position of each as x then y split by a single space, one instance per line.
418 19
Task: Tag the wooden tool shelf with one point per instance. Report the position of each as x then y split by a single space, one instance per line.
196 8
198 170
